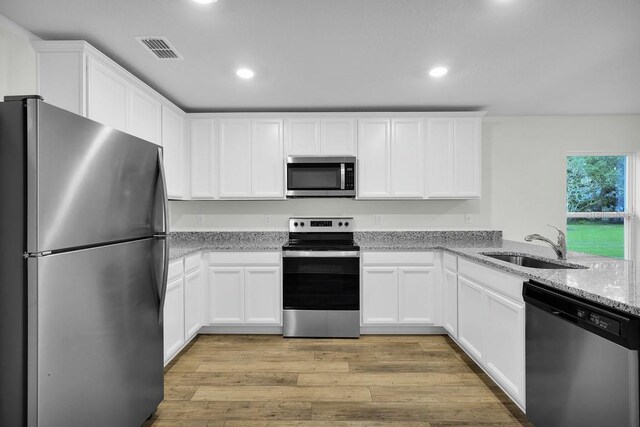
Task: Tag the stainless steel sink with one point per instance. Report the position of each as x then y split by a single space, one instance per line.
527 261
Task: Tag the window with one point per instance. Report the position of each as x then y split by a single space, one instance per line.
599 205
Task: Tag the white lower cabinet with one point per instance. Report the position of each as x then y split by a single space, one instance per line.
491 324
379 295
192 303
471 319
504 342
398 288
173 313
244 288
450 294
182 315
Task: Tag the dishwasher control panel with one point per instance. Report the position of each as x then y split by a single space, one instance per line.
599 320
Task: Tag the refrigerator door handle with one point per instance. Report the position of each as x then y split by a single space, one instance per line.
163 194
165 274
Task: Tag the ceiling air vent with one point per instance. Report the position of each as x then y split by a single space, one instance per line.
160 47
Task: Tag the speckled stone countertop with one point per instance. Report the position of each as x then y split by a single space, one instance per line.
611 282
185 243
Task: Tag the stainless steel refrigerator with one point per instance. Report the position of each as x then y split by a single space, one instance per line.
83 262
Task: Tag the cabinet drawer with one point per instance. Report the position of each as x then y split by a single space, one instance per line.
175 269
450 262
244 258
505 283
192 262
398 258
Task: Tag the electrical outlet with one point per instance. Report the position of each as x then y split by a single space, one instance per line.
267 219
467 218
200 219
379 219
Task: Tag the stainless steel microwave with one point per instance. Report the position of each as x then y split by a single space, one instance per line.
321 176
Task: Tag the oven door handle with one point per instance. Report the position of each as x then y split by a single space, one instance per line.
321 254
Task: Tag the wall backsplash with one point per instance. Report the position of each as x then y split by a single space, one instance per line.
273 215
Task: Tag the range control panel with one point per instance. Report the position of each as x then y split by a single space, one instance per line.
320 225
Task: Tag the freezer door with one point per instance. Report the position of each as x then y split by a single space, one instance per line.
97 347
88 183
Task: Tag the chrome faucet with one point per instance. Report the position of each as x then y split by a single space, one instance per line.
560 248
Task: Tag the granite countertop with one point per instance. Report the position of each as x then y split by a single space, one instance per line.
185 243
611 282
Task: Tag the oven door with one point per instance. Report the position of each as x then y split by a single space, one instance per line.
317 280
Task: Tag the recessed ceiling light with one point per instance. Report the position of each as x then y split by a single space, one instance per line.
245 73
438 71
205 1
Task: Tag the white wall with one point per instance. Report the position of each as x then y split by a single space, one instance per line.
396 215
528 165
17 60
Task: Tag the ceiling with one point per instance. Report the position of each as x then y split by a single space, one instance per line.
508 57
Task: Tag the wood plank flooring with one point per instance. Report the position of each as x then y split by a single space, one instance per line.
266 380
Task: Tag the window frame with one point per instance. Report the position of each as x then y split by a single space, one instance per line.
629 215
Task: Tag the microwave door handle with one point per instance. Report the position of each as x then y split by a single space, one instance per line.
342 176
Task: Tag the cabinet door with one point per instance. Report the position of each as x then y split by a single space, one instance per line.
504 354
450 294
471 317
192 303
203 159
303 137
373 158
467 157
440 158
106 96
267 159
416 295
407 158
226 295
379 295
338 137
262 295
173 318
235 158
144 116
172 142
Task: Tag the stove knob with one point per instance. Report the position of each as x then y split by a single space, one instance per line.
339 224
295 224
346 224
302 224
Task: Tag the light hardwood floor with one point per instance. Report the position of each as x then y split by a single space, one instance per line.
266 380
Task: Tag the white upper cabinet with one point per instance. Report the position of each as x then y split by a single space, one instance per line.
407 158
144 120
203 159
251 159
391 158
338 137
77 77
467 155
267 159
106 96
374 141
320 137
303 137
235 158
174 152
453 157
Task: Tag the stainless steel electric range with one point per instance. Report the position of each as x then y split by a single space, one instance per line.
321 279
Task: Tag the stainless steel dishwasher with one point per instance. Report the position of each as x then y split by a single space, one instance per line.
581 361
